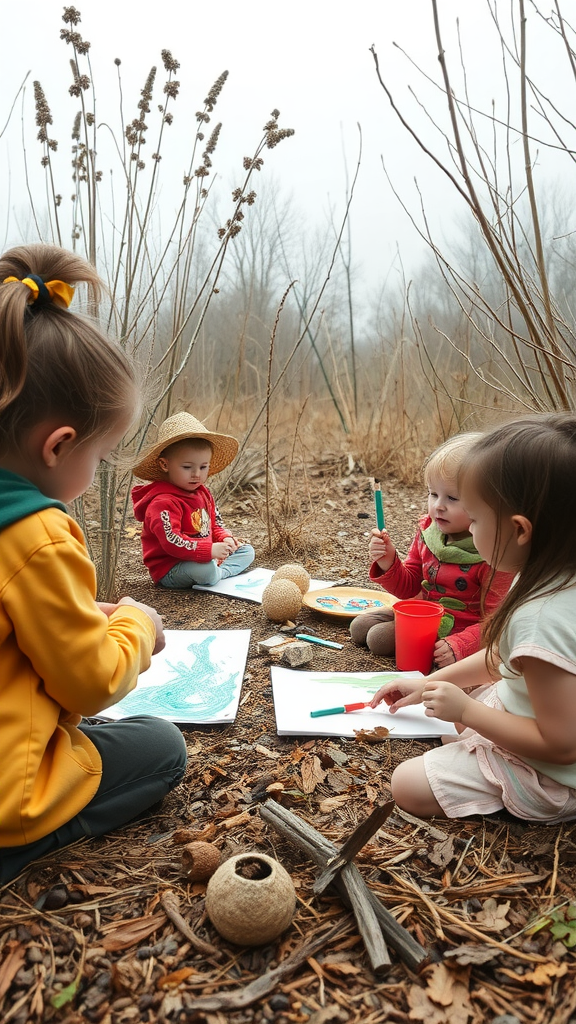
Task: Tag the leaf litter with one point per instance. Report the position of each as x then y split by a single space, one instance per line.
85 935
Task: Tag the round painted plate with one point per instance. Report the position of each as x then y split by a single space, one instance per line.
346 602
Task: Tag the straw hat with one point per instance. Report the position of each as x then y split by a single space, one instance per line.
179 428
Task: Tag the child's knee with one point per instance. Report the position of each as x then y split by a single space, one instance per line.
359 629
411 789
248 553
381 639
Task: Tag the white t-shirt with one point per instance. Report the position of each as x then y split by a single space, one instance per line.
543 628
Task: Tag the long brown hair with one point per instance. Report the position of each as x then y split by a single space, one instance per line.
528 467
55 363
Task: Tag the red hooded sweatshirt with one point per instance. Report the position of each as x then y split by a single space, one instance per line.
178 526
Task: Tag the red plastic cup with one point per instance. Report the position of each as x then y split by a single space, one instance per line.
416 629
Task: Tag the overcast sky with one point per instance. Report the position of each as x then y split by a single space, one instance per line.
310 59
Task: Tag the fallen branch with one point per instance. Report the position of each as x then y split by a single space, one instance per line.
320 850
241 997
171 906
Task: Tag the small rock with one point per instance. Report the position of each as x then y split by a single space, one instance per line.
34 955
54 899
279 1002
297 653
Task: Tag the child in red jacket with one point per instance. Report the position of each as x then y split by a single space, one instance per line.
442 565
184 540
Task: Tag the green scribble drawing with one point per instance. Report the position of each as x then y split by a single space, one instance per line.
367 683
198 690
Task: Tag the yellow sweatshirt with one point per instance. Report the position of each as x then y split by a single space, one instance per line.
61 658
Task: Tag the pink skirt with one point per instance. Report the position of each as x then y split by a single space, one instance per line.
474 776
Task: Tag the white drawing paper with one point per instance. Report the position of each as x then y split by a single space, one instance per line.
249 586
297 693
196 679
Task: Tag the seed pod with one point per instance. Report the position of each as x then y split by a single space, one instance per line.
199 861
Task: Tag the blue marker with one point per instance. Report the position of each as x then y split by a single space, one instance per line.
318 640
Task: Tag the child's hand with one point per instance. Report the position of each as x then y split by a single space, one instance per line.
152 614
444 700
400 693
223 548
443 654
239 541
381 549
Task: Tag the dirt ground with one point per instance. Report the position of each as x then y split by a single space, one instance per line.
91 934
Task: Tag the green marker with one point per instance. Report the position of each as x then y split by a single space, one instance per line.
341 711
380 521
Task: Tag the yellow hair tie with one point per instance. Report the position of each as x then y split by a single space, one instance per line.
56 291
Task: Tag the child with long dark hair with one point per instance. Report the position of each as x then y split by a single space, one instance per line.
516 747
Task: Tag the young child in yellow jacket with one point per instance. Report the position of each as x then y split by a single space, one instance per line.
67 396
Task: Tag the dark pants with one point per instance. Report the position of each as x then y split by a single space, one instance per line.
143 758
375 630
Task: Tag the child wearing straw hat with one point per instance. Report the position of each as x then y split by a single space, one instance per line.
184 540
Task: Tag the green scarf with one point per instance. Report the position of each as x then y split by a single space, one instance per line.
461 552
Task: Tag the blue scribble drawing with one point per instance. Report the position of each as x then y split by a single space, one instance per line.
351 604
257 581
196 691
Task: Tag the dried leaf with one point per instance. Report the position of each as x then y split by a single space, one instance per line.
332 802
339 780
327 1014
543 974
422 1008
341 968
312 773
183 835
239 819
440 985
377 735
430 1005
194 836
129 934
125 976
470 954
88 889
266 751
176 978
442 852
493 915
11 965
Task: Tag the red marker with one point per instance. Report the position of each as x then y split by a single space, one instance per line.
341 710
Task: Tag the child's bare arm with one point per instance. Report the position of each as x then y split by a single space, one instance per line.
399 693
464 674
549 737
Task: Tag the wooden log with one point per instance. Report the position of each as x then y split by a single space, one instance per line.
353 845
366 919
352 888
320 850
